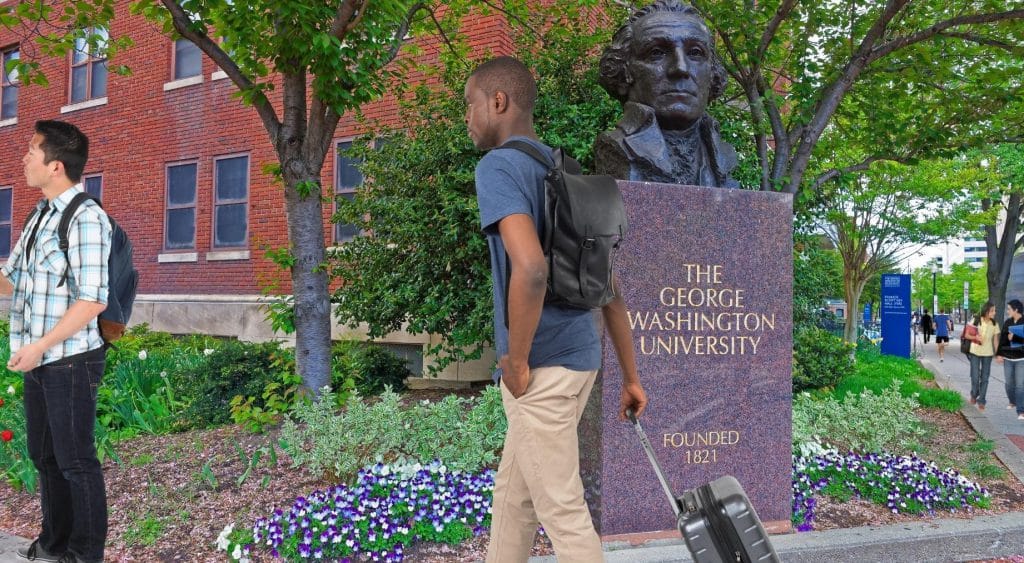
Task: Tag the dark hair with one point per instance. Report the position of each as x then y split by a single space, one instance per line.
1016 305
984 309
509 75
65 143
614 74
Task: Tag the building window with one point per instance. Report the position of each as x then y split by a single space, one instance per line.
347 178
188 59
5 220
231 202
88 70
94 185
180 220
9 90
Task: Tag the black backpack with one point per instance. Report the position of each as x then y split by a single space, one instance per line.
584 223
122 277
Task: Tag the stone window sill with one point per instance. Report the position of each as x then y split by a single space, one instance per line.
167 257
227 255
183 82
84 105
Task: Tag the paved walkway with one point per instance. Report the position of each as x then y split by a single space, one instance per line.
942 540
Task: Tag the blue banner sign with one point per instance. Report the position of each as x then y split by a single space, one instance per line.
895 314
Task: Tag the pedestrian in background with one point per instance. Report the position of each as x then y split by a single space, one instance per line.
943 328
1011 355
982 351
926 326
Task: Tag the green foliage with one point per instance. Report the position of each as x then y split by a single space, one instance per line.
367 367
466 434
137 396
15 466
144 531
820 358
817 275
876 372
236 368
866 422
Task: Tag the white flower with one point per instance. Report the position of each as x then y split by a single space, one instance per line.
237 553
222 540
143 355
207 351
10 389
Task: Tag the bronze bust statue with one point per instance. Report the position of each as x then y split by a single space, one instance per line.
662 66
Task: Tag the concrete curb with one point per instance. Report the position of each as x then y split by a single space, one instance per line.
949 539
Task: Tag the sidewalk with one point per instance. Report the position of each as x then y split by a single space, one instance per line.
942 540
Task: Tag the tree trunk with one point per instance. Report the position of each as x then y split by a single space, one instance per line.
853 288
1000 250
309 282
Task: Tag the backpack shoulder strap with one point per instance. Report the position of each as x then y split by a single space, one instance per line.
65 225
523 146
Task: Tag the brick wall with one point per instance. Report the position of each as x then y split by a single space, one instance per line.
142 128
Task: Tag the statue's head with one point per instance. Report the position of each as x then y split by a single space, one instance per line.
664 57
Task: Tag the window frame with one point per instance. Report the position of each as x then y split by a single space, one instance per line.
174 61
5 252
5 83
88 62
217 202
338 190
89 177
168 206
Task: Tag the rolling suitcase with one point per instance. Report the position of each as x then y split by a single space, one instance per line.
716 520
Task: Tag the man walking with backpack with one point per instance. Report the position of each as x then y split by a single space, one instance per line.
56 342
549 354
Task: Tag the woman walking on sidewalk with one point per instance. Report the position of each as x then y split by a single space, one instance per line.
982 351
1011 355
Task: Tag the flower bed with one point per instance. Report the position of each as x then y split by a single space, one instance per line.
375 519
903 484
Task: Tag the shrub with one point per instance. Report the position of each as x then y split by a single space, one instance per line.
369 367
863 422
236 368
820 359
465 433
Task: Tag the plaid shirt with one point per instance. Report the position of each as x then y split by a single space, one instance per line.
38 304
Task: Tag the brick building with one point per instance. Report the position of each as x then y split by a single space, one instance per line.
179 162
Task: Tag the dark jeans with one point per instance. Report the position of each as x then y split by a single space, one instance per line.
60 416
1014 374
980 367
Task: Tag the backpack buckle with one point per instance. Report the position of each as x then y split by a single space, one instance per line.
588 243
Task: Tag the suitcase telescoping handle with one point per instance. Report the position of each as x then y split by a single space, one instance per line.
654 462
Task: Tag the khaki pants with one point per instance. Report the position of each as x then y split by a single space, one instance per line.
538 480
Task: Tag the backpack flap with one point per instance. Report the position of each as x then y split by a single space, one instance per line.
592 222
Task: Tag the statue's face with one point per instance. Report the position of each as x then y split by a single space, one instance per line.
671 67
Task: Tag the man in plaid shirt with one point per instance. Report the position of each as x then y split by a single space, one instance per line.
55 341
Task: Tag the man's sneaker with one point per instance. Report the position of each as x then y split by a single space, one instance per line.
35 552
1009 407
1020 417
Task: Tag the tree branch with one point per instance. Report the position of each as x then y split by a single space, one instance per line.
773 27
981 40
865 164
182 24
350 13
935 29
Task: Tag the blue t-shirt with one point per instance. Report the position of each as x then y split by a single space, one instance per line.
941 325
510 182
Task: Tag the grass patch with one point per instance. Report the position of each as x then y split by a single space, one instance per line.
141 460
876 373
145 531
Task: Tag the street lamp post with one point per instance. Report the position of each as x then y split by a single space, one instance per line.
935 296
